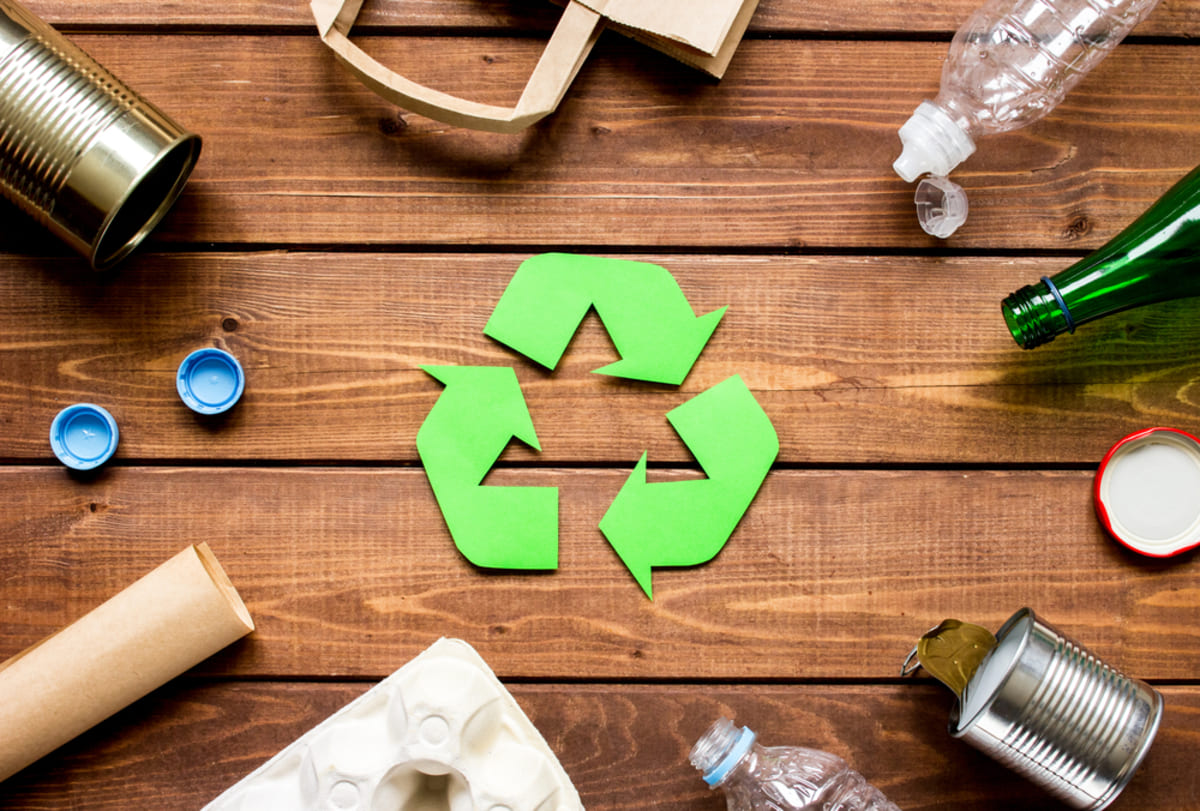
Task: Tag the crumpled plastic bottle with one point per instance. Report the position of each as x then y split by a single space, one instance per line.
1009 65
780 778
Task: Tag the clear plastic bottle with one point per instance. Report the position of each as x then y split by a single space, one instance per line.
1010 64
780 778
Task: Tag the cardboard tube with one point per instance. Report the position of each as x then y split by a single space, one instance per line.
173 618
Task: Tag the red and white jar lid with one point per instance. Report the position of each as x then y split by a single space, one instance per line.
1148 492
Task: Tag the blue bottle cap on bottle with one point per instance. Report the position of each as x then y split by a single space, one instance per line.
83 436
210 381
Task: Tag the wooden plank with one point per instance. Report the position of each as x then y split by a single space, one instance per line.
792 150
898 362
624 746
773 17
830 574
855 360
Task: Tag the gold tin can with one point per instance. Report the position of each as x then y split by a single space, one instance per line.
83 154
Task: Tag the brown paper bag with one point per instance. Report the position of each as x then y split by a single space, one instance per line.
701 33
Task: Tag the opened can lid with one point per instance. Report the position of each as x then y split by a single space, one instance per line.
1148 491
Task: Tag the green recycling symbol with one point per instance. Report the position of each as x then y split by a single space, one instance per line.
652 326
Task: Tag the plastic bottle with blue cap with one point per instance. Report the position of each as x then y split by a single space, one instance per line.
210 381
84 436
780 778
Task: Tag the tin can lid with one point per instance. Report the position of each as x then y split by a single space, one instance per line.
991 681
210 381
1147 492
83 436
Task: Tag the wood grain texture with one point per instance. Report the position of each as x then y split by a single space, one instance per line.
625 747
928 467
831 574
773 17
855 360
792 150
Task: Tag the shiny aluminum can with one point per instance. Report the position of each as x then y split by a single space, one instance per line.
1054 713
79 151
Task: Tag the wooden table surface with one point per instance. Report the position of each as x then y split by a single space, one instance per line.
928 467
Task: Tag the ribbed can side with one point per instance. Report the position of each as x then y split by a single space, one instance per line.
1062 718
81 153
1078 716
54 101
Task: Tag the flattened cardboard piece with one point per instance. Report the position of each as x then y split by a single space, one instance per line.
441 732
172 619
700 33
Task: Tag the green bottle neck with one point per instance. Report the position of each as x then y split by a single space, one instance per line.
1155 259
1035 315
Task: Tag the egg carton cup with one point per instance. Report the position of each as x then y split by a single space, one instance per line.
440 733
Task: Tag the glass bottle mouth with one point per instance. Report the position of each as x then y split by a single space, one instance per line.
1033 315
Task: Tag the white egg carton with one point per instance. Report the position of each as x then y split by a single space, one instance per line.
440 734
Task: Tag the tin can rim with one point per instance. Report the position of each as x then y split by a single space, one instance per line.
958 727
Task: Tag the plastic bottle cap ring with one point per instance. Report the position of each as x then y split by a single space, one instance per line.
740 747
1148 492
83 436
210 381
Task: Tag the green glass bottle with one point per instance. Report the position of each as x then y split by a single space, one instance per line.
1155 259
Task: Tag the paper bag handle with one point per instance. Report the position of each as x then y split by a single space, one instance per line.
569 45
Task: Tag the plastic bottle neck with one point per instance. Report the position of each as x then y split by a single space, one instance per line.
720 750
1035 315
934 143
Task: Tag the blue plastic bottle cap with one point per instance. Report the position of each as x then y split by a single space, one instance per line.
210 381
83 436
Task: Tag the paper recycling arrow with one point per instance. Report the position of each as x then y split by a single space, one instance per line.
470 425
685 523
647 316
